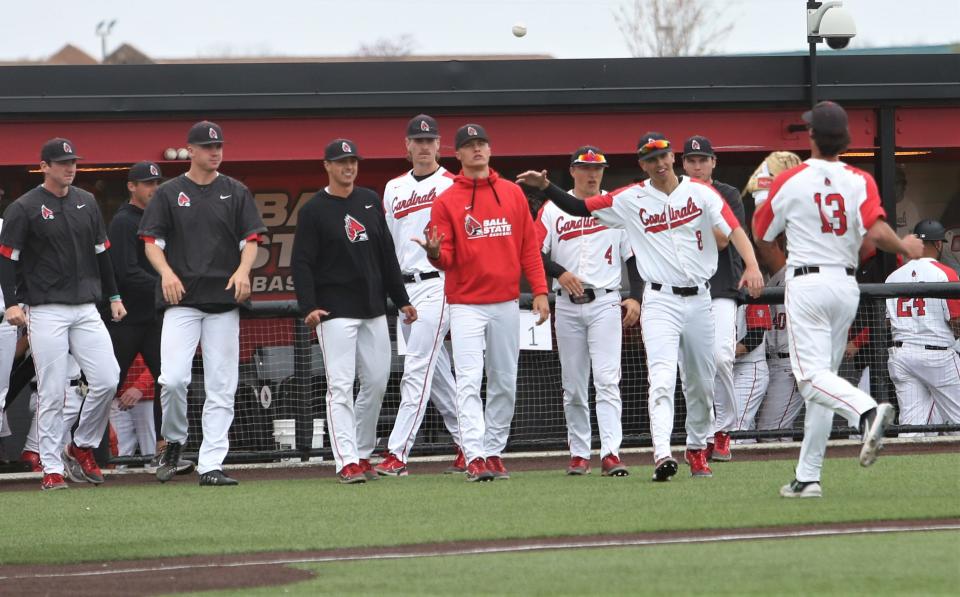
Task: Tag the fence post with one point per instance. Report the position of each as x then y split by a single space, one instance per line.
302 373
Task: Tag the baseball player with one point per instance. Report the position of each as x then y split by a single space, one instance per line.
54 239
750 373
72 401
8 349
923 365
699 162
782 402
826 209
675 226
131 414
482 236
585 259
200 232
407 201
344 266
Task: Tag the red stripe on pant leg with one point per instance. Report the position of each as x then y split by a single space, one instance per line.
426 377
786 408
746 407
837 398
333 432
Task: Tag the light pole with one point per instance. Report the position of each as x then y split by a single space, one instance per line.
103 31
830 22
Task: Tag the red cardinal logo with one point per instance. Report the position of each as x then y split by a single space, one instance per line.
346 147
472 226
46 213
67 148
183 200
154 171
471 131
356 232
695 144
424 126
213 133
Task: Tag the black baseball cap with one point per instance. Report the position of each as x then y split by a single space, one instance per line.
469 132
930 231
58 149
698 145
588 155
423 127
143 172
205 133
828 118
339 149
653 144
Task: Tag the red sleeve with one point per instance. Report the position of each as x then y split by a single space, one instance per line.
539 227
440 217
148 239
530 259
764 214
254 238
953 305
598 202
138 376
860 339
728 215
758 317
871 209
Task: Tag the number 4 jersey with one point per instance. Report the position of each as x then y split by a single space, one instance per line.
923 321
825 208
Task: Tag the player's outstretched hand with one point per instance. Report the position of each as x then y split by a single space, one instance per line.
117 310
571 283
533 178
913 246
129 398
240 282
15 316
753 280
172 287
432 243
541 306
631 312
313 317
410 312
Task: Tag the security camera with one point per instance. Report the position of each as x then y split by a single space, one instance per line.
831 23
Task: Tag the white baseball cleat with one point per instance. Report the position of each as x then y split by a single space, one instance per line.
801 489
873 436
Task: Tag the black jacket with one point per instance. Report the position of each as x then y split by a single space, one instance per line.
136 279
724 282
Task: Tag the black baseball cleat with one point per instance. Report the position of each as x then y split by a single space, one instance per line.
216 479
665 468
168 463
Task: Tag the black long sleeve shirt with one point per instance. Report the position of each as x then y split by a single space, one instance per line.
136 279
724 282
343 257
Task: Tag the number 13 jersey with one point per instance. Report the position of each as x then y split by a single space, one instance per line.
825 208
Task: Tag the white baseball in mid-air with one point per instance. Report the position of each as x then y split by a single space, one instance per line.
519 30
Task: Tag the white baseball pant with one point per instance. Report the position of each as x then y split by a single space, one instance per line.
820 308
218 335
750 381
134 428
725 349
475 329
426 368
782 402
591 333
55 331
926 381
679 327
8 347
354 348
72 403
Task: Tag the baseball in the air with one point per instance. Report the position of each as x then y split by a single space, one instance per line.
519 30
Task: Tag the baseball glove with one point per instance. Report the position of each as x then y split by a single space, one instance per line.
769 168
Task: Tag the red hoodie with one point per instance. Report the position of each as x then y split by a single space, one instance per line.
488 237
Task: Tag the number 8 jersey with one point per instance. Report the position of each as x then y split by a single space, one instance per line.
825 208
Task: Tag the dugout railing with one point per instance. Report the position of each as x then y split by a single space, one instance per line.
282 379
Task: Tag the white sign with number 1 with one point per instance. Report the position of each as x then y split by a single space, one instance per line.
533 336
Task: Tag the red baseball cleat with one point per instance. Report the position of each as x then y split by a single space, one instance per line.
477 471
495 466
721 447
697 459
392 467
32 460
81 463
368 472
578 466
612 467
53 481
459 463
351 473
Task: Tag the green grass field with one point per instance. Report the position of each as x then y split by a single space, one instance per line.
907 563
179 518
